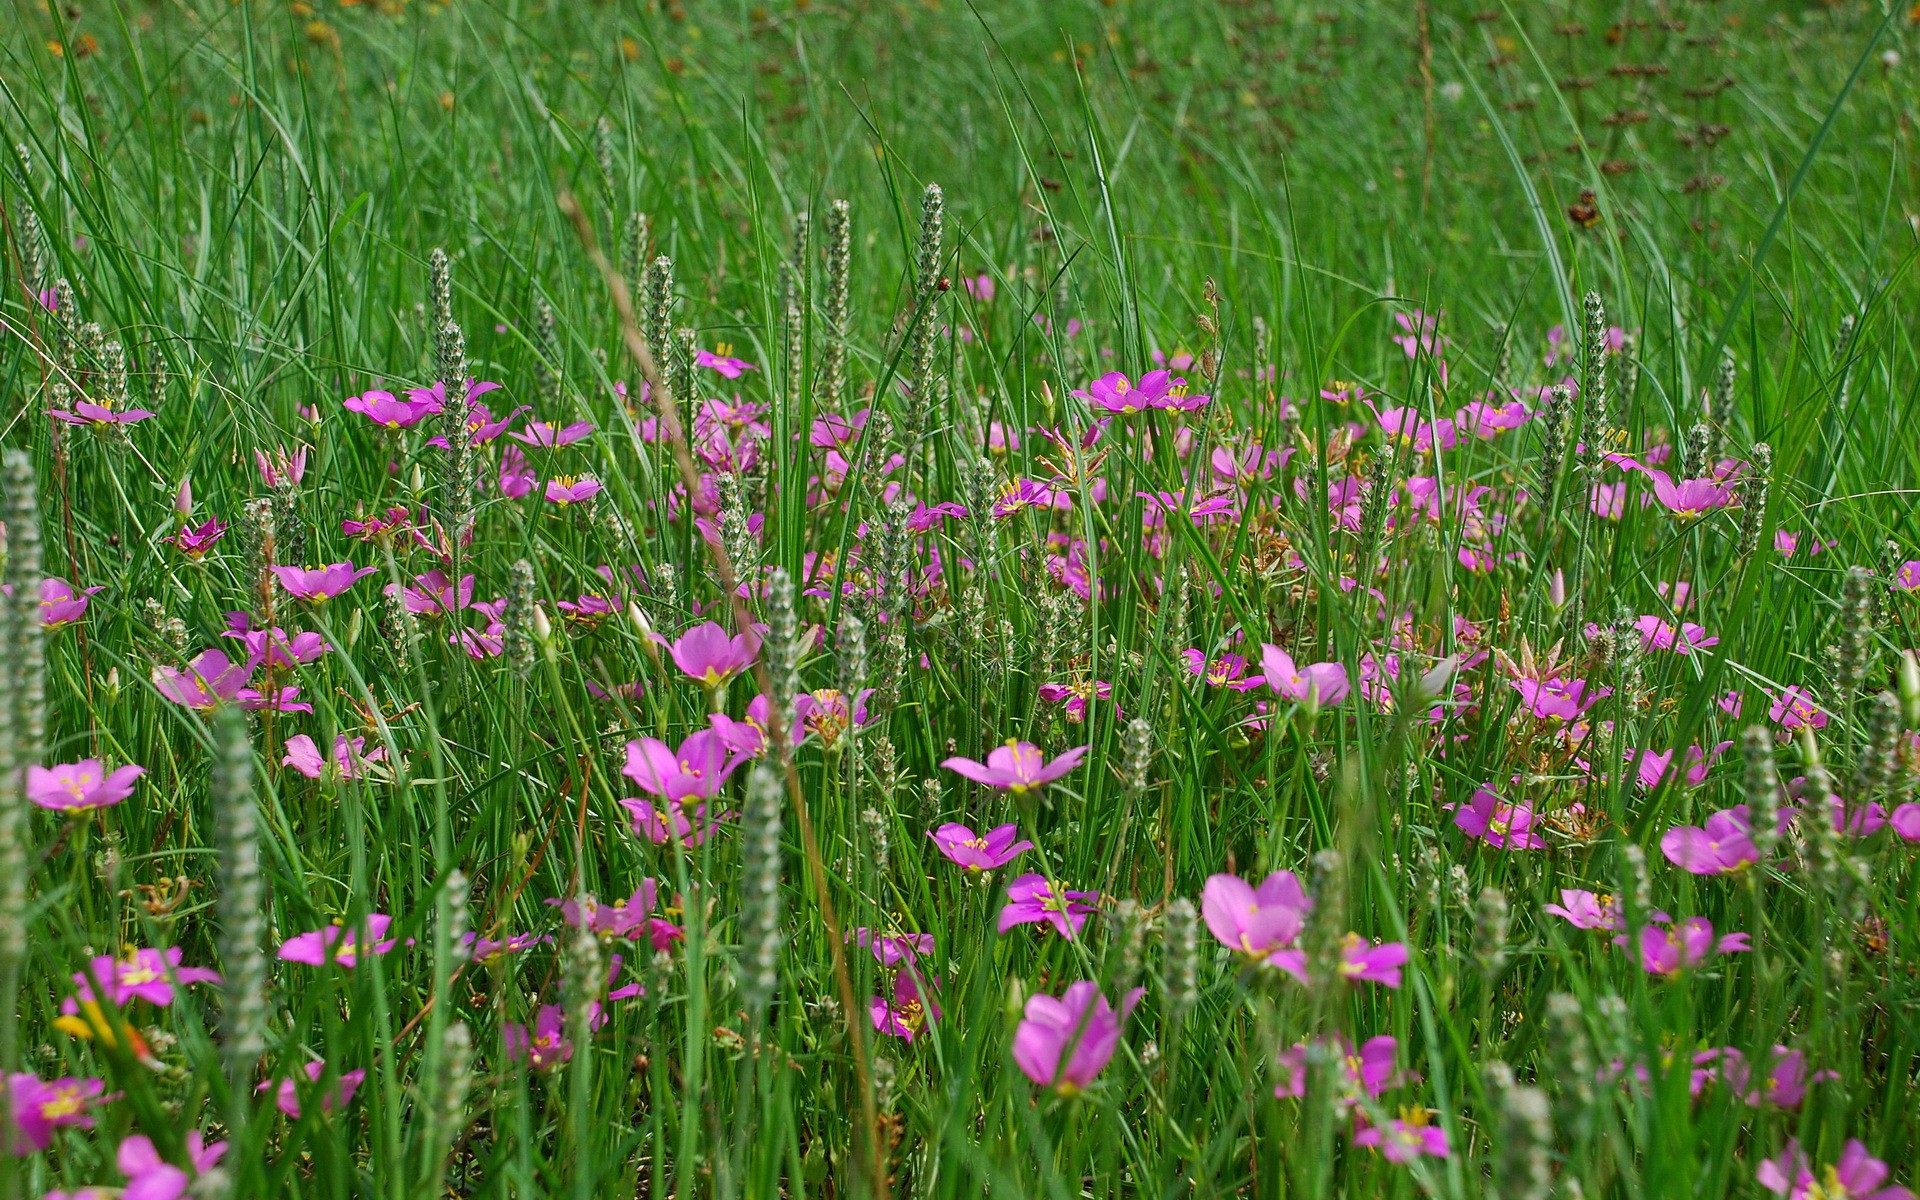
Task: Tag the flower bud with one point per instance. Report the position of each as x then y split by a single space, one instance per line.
641 622
183 498
542 628
1557 590
1910 688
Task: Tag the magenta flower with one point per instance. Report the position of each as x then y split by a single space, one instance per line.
387 410
827 715
96 415
908 1011
433 595
317 585
148 975
1906 822
515 479
338 944
1255 922
1018 495
709 656
286 1096
1369 1070
548 435
1785 1083
1658 634
281 469
1017 767
1795 707
1689 498
568 490
1312 686
1077 696
1724 846
1586 910
1558 699
1496 822
1857 1176
209 679
993 849
670 821
721 359
273 647
81 786
545 1046
749 737
895 948
629 918
1405 1137
1065 1043
1031 899
195 541
699 769
1364 962
1115 393
39 1106
1229 670
1683 945
150 1177
351 759
61 604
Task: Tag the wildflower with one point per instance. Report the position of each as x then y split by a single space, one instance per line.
827 715
1795 707
908 1011
1115 393
81 786
316 585
569 490
1364 962
282 469
150 1177
550 436
148 975
698 769
39 1106
671 822
209 679
1031 899
1081 1019
1020 494
1586 910
1018 767
1657 634
1229 670
1313 685
1496 822
1255 922
274 647
1406 1137
831 431
988 851
98 415
195 541
1784 1085
1077 697
394 521
286 1096
721 359
336 943
709 656
62 604
895 948
1723 847
1683 945
433 595
1857 1176
351 759
387 410
749 737
1369 1070
515 479
1689 498
543 1047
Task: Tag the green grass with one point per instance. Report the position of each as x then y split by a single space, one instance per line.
246 196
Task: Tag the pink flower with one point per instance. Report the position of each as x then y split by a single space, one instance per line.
1657 634
1255 922
1795 707
1857 1176
1020 494
1229 670
670 822
316 585
721 359
273 647
61 604
1405 1137
1080 1020
434 596
1724 846
1317 684
1690 498
1483 419
1031 900
282 469
338 944
709 656
547 1047
209 679
1077 697
286 1097
1585 910
991 850
1362 961
894 948
908 1011
1115 393
568 490
515 479
1496 822
1684 945
1369 1070
1608 500
833 431
980 287
1906 822
1017 767
39 1106
351 759
150 1177
96 415
698 770
546 434
195 540
80 786
387 410
1784 1086
148 975
1558 699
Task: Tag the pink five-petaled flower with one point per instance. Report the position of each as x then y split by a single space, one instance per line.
1115 393
1857 1176
569 490
545 1046
80 786
911 1008
316 585
97 415
1496 822
1659 634
209 679
1031 899
549 435
1017 767
61 604
1065 1043
1255 922
337 943
980 853
698 770
1368 1069
721 359
1683 945
1558 699
351 758
147 974
1722 847
39 1106
1795 707
1586 910
150 1177
892 949
1312 685
1362 961
671 822
709 656
286 1097
1784 1086
1017 495
195 541
1406 1137
1229 670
